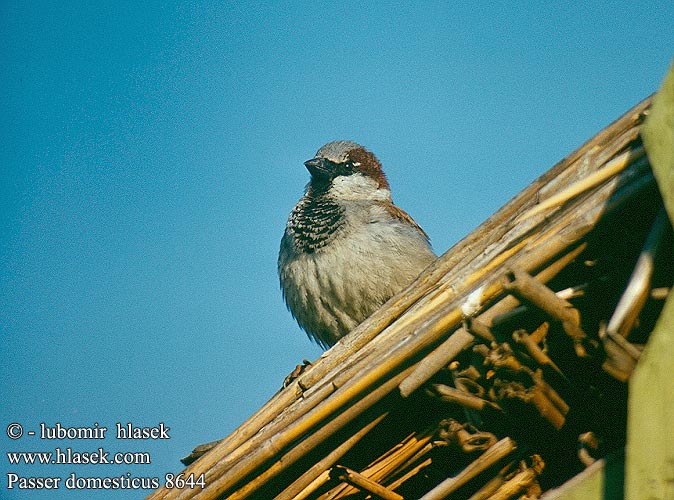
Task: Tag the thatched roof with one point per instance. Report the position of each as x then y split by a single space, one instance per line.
500 372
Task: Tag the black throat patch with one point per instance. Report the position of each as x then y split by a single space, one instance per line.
314 221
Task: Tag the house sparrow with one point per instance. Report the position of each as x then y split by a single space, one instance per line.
347 248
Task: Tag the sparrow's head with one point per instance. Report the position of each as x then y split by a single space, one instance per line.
347 170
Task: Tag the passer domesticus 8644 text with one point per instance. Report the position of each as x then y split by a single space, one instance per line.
347 248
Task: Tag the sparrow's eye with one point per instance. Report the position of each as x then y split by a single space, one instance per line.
345 168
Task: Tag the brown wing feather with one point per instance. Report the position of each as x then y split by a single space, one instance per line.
402 216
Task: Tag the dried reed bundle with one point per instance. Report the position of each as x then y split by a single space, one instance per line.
490 365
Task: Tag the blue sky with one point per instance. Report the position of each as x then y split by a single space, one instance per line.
151 154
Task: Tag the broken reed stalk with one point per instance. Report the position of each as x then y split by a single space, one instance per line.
488 459
546 408
552 395
621 355
436 360
490 487
520 481
462 398
466 437
392 462
363 483
527 288
306 483
429 308
509 302
523 338
479 329
409 450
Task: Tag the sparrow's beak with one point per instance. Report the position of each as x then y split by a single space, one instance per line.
317 168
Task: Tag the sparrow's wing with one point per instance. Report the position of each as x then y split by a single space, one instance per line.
400 215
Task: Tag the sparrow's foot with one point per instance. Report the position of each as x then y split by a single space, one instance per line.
299 370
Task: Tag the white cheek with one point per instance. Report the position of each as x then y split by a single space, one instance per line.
357 187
